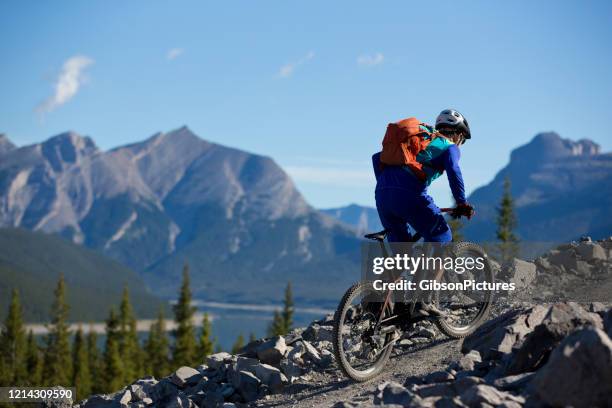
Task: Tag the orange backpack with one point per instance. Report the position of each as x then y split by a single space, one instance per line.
403 141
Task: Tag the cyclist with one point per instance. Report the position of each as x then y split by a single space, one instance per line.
402 198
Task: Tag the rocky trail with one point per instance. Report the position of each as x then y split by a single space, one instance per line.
532 352
331 387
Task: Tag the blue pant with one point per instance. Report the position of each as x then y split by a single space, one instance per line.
398 207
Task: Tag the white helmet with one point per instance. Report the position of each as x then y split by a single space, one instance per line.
450 118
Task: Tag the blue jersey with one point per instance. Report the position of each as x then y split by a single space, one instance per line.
439 156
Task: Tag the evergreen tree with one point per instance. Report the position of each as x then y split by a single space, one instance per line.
58 365
34 362
206 344
238 345
287 313
185 347
13 345
456 225
157 348
129 348
95 362
113 363
282 322
506 224
252 337
277 325
81 376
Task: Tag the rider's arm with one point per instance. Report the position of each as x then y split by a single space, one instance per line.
451 164
376 164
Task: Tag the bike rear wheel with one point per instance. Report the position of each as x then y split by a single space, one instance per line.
361 349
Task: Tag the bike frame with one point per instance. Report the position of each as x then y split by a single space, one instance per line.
388 302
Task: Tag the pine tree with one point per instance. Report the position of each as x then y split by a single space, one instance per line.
252 337
81 376
113 363
185 348
238 345
13 345
456 225
287 313
506 224
96 368
58 365
206 344
282 322
34 362
157 348
129 347
277 325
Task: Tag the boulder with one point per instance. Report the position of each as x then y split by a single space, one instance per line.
519 272
561 320
215 361
591 251
392 393
317 332
483 395
327 358
125 397
468 361
247 385
271 377
311 352
246 364
438 376
185 376
291 370
165 389
272 351
566 258
579 371
499 335
434 390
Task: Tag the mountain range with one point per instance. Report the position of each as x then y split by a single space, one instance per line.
562 189
239 222
235 218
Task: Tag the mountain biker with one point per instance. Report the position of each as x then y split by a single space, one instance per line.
402 198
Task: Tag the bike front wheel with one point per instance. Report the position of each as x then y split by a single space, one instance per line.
465 311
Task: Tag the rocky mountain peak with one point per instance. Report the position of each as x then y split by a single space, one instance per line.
67 148
5 143
548 146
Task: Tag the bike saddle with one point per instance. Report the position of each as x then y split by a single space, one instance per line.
377 236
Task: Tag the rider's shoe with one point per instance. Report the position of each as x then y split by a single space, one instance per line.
428 310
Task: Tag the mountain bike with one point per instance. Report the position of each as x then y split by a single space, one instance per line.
368 322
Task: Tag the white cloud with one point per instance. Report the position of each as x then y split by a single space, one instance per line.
174 53
370 60
287 69
67 83
331 176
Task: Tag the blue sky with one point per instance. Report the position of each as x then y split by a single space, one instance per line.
311 84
